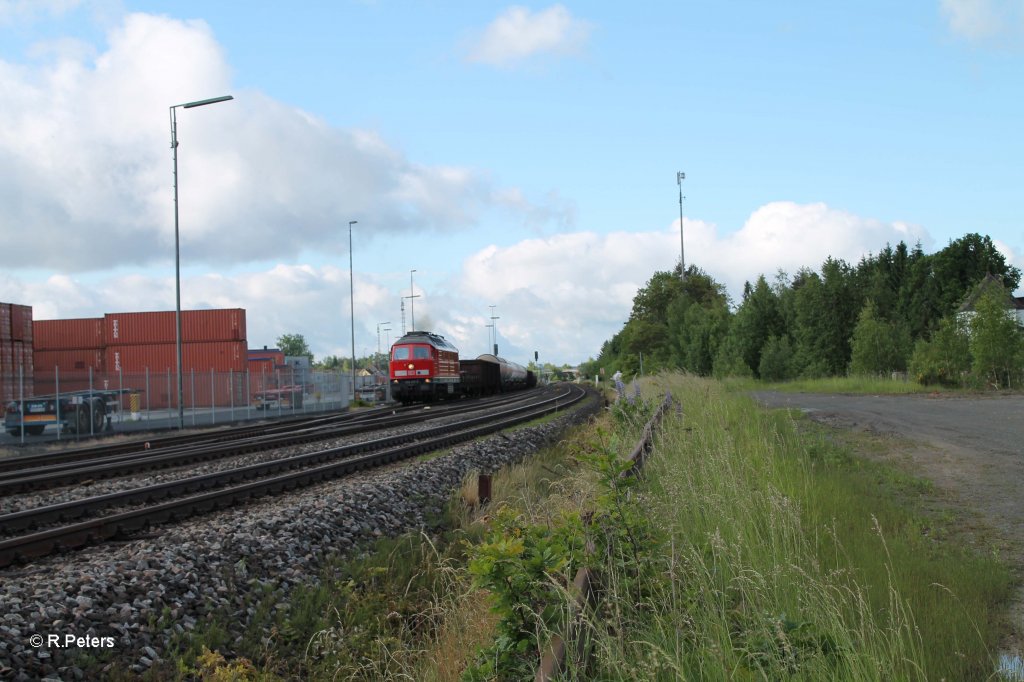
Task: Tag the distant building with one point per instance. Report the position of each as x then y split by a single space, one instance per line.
1014 304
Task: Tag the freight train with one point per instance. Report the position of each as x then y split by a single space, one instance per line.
424 366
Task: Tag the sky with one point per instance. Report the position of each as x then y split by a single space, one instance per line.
522 159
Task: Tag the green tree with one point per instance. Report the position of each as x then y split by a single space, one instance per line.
944 358
652 300
294 345
995 340
777 359
729 361
697 321
826 313
878 346
757 320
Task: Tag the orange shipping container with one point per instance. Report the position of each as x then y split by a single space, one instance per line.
21 323
220 356
74 334
16 370
5 321
158 363
80 360
159 327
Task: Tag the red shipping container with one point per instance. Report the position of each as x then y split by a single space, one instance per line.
220 356
227 359
80 360
16 373
160 327
21 323
5 321
75 334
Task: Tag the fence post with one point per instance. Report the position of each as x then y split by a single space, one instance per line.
56 393
21 398
92 417
213 401
192 375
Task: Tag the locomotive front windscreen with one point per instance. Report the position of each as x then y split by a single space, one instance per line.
418 353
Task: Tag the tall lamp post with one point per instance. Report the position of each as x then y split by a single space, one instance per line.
412 310
177 250
378 338
680 176
495 325
412 304
352 306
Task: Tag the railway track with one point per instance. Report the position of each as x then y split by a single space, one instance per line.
168 502
40 472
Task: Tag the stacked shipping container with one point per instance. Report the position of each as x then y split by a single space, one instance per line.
16 366
140 350
69 345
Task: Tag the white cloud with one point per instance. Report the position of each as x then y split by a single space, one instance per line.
85 162
567 294
983 20
562 295
518 34
12 11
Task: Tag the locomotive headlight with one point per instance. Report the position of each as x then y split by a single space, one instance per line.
410 365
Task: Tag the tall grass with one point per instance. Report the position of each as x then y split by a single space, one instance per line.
784 558
754 547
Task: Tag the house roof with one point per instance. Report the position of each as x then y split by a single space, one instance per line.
984 286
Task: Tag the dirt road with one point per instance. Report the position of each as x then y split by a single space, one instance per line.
970 447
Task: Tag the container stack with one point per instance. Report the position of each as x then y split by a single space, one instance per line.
140 350
211 340
69 345
16 366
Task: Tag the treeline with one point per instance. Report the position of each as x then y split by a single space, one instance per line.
891 312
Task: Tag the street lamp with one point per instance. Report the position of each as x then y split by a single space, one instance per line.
352 306
680 176
495 325
378 338
177 251
412 304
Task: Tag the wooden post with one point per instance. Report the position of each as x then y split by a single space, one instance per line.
483 489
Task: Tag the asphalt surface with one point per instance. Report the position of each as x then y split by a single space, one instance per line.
983 424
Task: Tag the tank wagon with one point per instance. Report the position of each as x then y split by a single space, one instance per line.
424 366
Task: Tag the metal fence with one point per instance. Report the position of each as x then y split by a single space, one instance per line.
207 397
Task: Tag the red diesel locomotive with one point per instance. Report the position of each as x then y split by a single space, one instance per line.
424 366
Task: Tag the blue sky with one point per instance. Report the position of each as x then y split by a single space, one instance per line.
521 156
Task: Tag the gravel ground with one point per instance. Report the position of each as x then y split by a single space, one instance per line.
105 597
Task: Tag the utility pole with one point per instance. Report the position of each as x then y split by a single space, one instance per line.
495 325
680 176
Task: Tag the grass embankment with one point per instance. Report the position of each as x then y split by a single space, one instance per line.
755 547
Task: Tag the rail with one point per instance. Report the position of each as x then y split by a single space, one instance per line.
552 663
99 529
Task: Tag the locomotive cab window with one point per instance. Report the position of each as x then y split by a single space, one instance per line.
421 353
401 353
